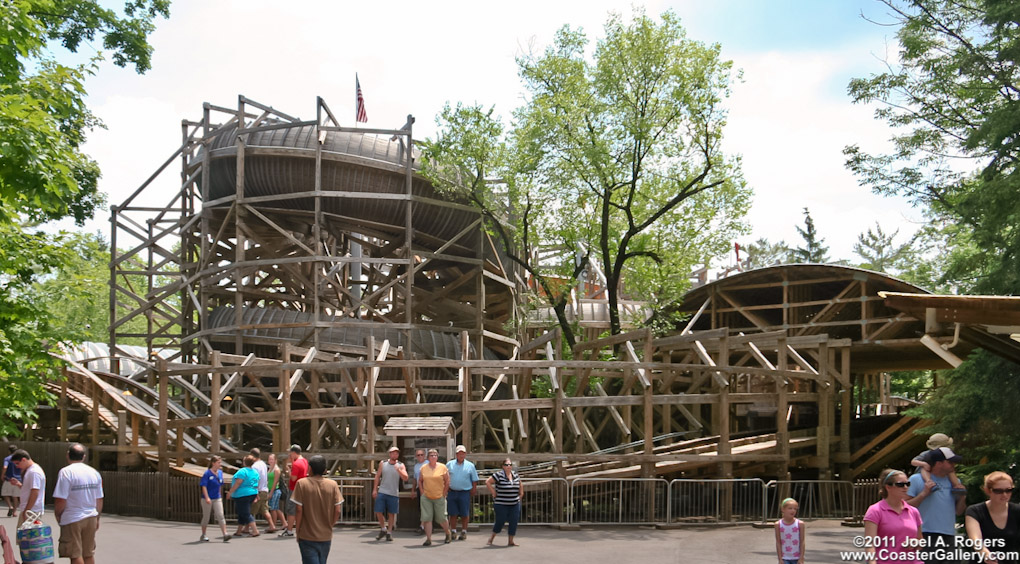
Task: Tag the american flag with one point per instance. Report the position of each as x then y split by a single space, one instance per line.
359 107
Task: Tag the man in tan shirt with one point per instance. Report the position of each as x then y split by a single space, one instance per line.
318 509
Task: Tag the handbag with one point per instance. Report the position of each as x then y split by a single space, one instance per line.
35 539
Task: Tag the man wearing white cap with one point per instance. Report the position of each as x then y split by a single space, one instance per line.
934 499
463 485
386 490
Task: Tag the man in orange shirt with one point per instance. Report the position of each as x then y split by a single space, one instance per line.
317 502
434 483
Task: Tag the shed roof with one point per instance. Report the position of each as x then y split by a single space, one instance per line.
419 426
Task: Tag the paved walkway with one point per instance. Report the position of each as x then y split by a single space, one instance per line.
133 540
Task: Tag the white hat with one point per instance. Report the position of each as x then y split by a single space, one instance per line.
394 448
461 448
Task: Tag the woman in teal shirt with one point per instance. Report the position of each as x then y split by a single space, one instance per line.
244 490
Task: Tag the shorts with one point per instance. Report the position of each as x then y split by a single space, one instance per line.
433 509
78 539
261 504
459 503
385 503
10 490
290 508
274 500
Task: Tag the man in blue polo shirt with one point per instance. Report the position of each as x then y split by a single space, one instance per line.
939 505
463 484
11 493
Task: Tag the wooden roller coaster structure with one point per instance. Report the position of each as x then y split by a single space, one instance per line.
301 282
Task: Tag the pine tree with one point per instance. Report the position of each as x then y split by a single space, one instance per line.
814 249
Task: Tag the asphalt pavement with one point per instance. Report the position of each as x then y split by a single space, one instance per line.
140 540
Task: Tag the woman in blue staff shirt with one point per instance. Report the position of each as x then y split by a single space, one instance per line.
211 487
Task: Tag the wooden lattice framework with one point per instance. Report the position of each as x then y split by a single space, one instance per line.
765 378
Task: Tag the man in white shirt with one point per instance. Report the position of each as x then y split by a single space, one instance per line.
261 506
32 484
77 503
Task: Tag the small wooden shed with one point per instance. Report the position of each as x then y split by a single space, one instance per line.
410 433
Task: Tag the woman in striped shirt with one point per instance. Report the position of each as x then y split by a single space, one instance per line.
506 490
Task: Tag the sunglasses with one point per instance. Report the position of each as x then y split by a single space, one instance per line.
1002 490
508 464
900 484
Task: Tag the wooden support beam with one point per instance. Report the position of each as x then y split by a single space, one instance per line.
163 465
613 411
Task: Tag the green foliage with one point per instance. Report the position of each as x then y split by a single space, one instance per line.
878 251
953 95
614 159
25 327
975 407
814 249
76 292
43 174
763 252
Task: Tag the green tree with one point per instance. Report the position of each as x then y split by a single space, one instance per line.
953 95
763 253
814 249
615 159
879 251
43 173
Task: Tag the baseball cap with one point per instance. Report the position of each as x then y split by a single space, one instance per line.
461 448
945 453
393 448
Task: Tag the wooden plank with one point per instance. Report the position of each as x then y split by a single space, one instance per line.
892 429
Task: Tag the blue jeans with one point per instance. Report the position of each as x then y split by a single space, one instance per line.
313 552
504 514
242 505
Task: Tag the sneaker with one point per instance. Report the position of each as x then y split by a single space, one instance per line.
463 536
226 538
203 538
286 533
380 535
389 537
427 543
448 539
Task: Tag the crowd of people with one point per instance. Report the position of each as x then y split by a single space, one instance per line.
293 496
914 522
77 499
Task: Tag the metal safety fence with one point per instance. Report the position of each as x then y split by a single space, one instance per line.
546 501
618 501
716 501
817 499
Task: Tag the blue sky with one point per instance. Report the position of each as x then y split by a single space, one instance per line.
789 118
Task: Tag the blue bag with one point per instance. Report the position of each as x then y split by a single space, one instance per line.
35 540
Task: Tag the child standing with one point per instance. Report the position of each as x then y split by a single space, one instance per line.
790 534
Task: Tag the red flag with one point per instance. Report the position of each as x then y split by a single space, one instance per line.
359 108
